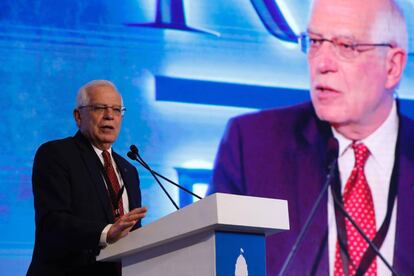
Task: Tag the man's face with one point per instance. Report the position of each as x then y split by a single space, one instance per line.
348 92
100 126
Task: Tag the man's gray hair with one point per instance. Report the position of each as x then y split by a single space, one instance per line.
82 97
391 26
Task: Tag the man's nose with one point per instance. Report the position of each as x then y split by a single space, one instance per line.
108 113
326 58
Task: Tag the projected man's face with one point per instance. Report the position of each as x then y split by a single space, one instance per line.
349 91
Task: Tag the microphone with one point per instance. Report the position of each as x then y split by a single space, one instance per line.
134 155
332 157
134 151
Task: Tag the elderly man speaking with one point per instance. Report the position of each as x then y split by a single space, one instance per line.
357 52
85 195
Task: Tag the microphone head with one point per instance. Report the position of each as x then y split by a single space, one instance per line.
131 155
134 149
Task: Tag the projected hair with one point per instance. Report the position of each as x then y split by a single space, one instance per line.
390 26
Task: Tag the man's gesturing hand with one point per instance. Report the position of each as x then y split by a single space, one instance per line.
124 224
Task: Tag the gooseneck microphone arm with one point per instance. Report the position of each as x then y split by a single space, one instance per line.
361 232
312 213
132 156
135 152
332 154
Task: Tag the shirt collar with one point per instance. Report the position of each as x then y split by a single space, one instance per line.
99 153
385 137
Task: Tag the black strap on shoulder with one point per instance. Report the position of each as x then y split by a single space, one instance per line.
378 240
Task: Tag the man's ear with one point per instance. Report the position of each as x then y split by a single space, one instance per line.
396 60
77 116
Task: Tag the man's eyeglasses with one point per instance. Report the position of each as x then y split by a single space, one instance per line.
344 47
101 108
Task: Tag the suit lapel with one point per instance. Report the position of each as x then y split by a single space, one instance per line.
95 169
404 242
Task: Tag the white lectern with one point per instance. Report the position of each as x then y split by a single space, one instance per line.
221 234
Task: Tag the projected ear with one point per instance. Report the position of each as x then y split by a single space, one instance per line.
396 61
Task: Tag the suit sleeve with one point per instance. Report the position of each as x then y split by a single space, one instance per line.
56 225
228 168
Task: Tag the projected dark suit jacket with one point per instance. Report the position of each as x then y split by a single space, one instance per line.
281 154
72 207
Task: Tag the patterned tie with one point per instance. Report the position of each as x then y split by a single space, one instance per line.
110 172
360 206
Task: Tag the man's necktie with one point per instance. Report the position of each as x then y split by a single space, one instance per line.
358 202
110 172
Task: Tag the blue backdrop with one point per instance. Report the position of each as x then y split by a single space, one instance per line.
184 67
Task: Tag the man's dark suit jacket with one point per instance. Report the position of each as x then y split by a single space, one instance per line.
72 207
282 154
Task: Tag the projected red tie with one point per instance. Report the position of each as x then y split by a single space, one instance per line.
358 202
110 171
